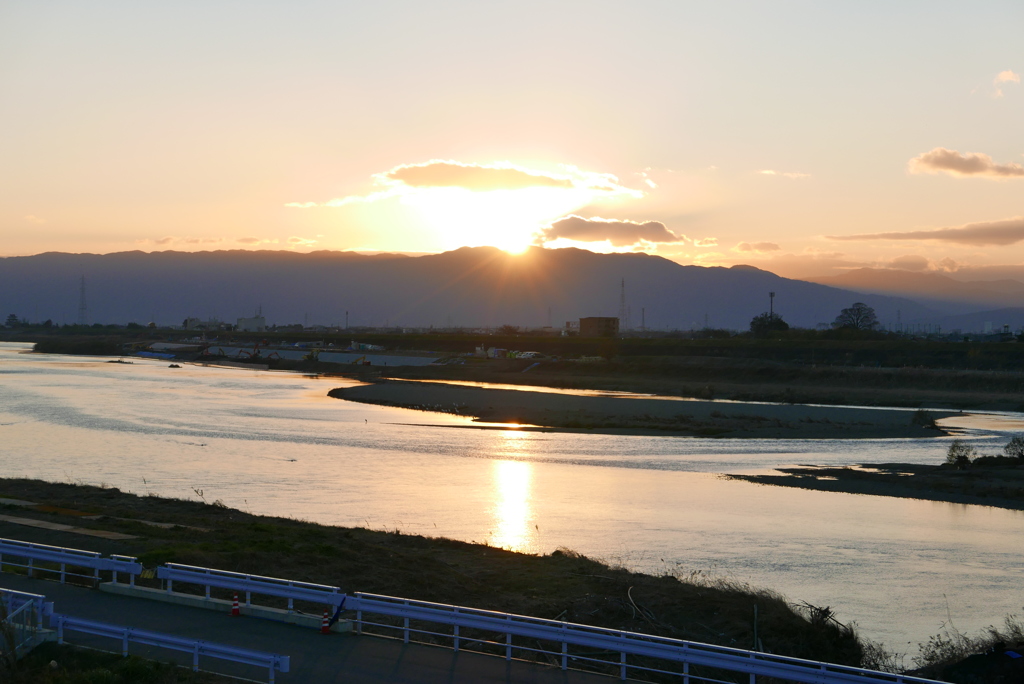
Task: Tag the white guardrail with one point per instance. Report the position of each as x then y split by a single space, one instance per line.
66 558
130 635
250 584
21 620
596 645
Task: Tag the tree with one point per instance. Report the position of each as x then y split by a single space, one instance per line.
860 316
12 321
763 324
960 454
508 330
1015 447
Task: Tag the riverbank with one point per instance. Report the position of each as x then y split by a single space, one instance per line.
562 585
651 416
999 484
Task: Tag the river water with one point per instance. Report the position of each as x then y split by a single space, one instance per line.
274 443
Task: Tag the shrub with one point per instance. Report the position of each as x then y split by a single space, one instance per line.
960 454
1015 447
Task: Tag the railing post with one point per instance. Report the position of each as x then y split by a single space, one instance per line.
96 575
131 580
359 622
29 567
565 650
248 598
124 643
508 639
170 586
405 626
622 661
291 601
753 676
60 630
195 657
686 673
62 572
455 641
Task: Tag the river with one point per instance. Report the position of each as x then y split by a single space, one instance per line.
274 443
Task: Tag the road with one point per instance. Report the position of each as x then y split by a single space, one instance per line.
315 657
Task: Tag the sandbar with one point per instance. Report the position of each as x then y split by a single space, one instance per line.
650 415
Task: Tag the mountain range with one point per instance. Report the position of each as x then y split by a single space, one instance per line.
468 287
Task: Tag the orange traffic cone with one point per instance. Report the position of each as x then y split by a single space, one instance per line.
325 624
235 612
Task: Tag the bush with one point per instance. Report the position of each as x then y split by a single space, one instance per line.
960 454
1015 447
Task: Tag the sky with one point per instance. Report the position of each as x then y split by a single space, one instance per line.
806 138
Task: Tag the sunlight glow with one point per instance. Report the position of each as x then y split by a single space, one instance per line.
507 219
512 511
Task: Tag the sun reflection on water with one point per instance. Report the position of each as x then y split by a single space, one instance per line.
512 510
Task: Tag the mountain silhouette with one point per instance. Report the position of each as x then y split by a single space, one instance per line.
468 287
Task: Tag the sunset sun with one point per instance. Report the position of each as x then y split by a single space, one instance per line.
507 219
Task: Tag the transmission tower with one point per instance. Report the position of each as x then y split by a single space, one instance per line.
81 303
623 312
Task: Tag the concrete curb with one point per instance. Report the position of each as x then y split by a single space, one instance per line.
223 606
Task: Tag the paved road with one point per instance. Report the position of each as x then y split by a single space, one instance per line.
314 657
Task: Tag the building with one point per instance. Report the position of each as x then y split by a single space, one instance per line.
599 326
254 324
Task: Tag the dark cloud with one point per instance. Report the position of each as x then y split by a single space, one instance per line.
618 233
987 233
941 160
759 247
452 174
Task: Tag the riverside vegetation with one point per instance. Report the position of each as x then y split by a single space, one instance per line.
561 585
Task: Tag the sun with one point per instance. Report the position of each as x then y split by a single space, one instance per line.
507 219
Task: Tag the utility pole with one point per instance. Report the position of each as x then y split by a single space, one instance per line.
643 318
623 313
771 305
346 320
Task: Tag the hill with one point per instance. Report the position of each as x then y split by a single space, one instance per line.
470 287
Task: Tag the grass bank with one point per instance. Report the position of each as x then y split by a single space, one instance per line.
560 585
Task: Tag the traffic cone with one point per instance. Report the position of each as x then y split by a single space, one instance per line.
235 612
325 624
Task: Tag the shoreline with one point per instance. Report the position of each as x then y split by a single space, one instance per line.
647 416
998 486
560 585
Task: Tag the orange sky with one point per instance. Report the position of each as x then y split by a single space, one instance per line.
805 138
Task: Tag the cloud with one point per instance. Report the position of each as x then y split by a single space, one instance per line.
441 173
911 262
784 174
941 160
1005 232
1007 77
201 241
706 242
164 241
452 174
618 233
1004 77
758 247
35 219
256 241
296 241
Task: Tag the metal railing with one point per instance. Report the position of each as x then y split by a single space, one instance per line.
250 584
130 635
21 620
66 558
605 648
